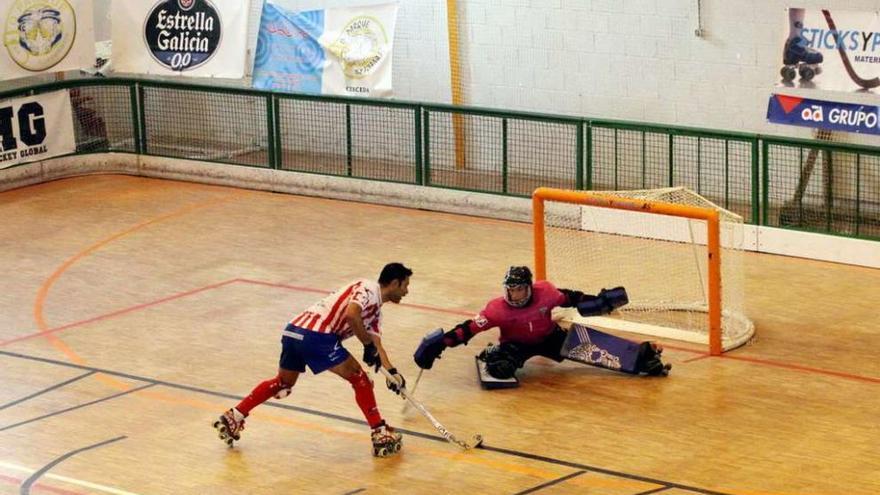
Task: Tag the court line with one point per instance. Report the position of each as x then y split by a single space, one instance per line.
649 492
550 483
79 406
699 353
313 412
18 481
26 486
49 389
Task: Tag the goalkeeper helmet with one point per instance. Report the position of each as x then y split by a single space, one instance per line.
518 277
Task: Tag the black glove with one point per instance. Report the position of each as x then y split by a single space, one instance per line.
371 356
396 382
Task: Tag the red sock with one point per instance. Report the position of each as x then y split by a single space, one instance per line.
363 394
261 393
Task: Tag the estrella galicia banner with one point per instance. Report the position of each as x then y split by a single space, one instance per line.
830 50
46 36
846 117
338 51
199 38
35 128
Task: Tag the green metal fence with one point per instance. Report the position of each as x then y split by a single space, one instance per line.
790 183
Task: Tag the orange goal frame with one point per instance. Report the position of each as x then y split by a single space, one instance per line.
710 216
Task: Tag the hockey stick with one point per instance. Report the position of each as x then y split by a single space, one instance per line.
477 440
413 391
865 83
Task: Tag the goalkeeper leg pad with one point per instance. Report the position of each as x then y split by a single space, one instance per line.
590 346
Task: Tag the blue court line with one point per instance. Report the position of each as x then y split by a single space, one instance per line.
513 453
41 392
26 486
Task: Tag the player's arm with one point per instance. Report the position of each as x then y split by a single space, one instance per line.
589 305
372 357
432 347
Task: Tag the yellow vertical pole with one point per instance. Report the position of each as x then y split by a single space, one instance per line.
455 80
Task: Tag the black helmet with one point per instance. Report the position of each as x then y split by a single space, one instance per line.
518 276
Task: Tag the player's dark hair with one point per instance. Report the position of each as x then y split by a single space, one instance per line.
392 272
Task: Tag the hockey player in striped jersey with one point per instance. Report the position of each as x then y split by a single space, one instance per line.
312 338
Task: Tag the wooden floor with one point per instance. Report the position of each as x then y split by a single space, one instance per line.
134 311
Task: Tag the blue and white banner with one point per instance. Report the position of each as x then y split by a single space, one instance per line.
831 50
198 38
846 117
35 127
46 36
338 51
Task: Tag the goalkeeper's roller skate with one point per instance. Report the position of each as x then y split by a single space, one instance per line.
229 426
386 441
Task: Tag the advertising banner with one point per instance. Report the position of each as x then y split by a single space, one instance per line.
197 38
846 117
46 36
337 51
831 50
36 127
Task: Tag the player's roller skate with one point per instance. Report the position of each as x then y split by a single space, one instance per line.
229 426
799 59
386 441
649 361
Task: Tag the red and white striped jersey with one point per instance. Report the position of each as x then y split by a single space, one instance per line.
328 314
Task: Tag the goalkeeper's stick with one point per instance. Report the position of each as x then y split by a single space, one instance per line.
413 391
477 439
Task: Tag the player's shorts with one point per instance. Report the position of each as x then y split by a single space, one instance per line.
301 347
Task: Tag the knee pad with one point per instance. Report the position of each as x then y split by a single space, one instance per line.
502 361
282 389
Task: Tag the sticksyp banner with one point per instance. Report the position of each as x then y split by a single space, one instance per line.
198 38
830 50
338 51
46 36
804 112
35 128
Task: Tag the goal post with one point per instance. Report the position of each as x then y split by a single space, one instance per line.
664 245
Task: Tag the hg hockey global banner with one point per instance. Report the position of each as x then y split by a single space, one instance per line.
339 51
846 117
831 50
198 38
35 128
45 36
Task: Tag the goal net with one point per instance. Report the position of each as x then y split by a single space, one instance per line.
678 255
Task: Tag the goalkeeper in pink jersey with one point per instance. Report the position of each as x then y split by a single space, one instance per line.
523 316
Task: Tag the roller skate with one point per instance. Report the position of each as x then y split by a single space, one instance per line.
799 59
229 426
649 361
386 441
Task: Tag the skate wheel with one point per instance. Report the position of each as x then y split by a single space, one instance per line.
229 442
396 448
380 452
788 74
806 72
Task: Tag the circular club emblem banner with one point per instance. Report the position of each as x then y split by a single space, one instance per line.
361 46
183 34
39 33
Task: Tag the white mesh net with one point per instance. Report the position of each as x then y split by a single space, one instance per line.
660 259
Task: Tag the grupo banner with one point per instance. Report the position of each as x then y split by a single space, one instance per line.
337 51
831 50
199 38
46 36
805 112
35 128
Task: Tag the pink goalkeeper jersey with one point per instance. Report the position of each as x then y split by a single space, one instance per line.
530 324
328 314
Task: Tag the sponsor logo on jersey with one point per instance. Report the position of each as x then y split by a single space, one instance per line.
481 321
183 34
361 46
39 33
